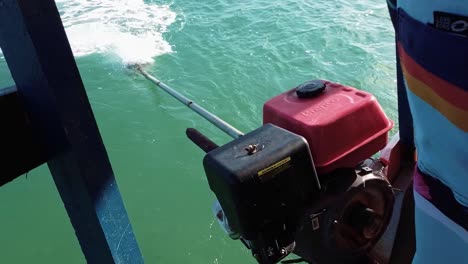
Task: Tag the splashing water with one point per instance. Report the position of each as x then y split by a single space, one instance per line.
130 29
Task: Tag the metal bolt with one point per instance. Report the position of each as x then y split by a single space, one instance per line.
251 149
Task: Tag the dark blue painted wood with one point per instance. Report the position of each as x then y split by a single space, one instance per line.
405 119
42 65
19 150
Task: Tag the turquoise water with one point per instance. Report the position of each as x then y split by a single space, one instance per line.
228 56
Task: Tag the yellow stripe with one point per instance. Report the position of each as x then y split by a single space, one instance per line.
455 115
274 166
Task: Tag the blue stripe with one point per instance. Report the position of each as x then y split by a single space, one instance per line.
441 197
422 10
441 53
393 12
442 147
438 239
392 4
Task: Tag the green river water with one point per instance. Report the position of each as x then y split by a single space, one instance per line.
228 56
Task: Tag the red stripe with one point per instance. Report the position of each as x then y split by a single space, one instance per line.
449 92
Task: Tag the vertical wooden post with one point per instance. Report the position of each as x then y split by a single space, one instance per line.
41 62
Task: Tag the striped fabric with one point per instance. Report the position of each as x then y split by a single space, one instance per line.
448 99
435 69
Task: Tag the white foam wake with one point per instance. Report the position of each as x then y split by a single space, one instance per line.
130 29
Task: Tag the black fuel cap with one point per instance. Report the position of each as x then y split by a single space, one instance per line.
310 89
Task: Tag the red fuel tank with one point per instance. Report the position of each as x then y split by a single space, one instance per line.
342 125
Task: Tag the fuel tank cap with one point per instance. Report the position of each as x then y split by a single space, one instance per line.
310 89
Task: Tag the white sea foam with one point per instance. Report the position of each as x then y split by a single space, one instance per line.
130 29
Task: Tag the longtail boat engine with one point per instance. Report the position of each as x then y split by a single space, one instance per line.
305 182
